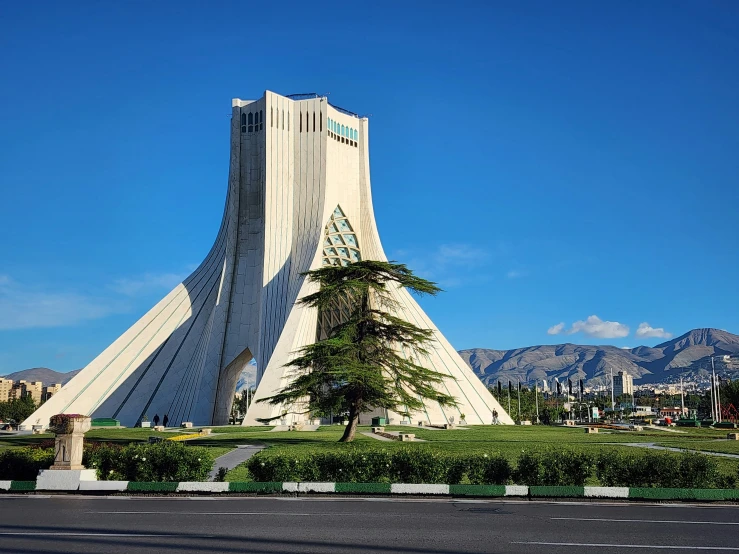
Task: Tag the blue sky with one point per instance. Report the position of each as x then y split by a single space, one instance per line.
559 167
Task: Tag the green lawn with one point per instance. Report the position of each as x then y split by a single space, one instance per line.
506 440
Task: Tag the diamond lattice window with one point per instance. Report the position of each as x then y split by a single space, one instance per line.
340 247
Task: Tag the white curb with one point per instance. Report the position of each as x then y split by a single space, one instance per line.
5 485
516 490
194 486
409 488
289 486
316 487
103 485
607 492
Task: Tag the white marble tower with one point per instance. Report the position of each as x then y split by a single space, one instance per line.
298 197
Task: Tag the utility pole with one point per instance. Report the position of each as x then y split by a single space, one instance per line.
519 401
682 399
536 398
713 404
509 398
613 400
715 394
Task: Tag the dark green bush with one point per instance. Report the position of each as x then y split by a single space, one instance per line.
660 469
488 470
166 461
554 468
380 466
528 470
23 464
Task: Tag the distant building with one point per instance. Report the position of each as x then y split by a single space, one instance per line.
672 412
6 389
50 391
623 383
22 389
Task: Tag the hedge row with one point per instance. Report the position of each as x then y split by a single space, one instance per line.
561 467
143 462
381 466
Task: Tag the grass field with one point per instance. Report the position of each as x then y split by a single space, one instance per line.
506 440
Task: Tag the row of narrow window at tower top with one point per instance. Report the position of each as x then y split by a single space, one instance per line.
251 122
343 133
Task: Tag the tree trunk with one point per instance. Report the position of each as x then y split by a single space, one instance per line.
351 428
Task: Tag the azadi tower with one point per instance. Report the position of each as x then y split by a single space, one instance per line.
298 197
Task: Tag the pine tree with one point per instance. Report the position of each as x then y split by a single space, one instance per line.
372 359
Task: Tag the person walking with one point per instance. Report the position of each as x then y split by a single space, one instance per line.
495 417
156 420
165 421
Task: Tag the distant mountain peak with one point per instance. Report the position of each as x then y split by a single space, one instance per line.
690 352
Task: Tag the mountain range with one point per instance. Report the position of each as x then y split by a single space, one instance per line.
688 355
44 374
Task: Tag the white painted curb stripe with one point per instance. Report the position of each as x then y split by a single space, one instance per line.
409 488
5 485
607 492
289 486
103 485
192 486
316 487
516 490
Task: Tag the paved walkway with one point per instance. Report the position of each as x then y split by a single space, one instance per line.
237 456
279 428
378 437
653 446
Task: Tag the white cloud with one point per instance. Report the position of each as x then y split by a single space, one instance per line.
25 307
149 282
593 326
515 274
556 329
645 330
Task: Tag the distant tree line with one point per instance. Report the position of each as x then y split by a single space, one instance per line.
17 409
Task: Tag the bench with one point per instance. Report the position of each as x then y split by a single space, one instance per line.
187 424
732 436
591 429
378 430
406 437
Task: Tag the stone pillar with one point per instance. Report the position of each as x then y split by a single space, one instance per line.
67 471
70 433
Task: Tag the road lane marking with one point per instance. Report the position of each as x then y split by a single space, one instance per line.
216 513
647 520
606 545
33 534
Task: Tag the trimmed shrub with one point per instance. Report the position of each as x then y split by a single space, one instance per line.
660 469
23 464
488 470
554 468
164 461
380 466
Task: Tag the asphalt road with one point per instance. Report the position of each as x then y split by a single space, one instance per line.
78 524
